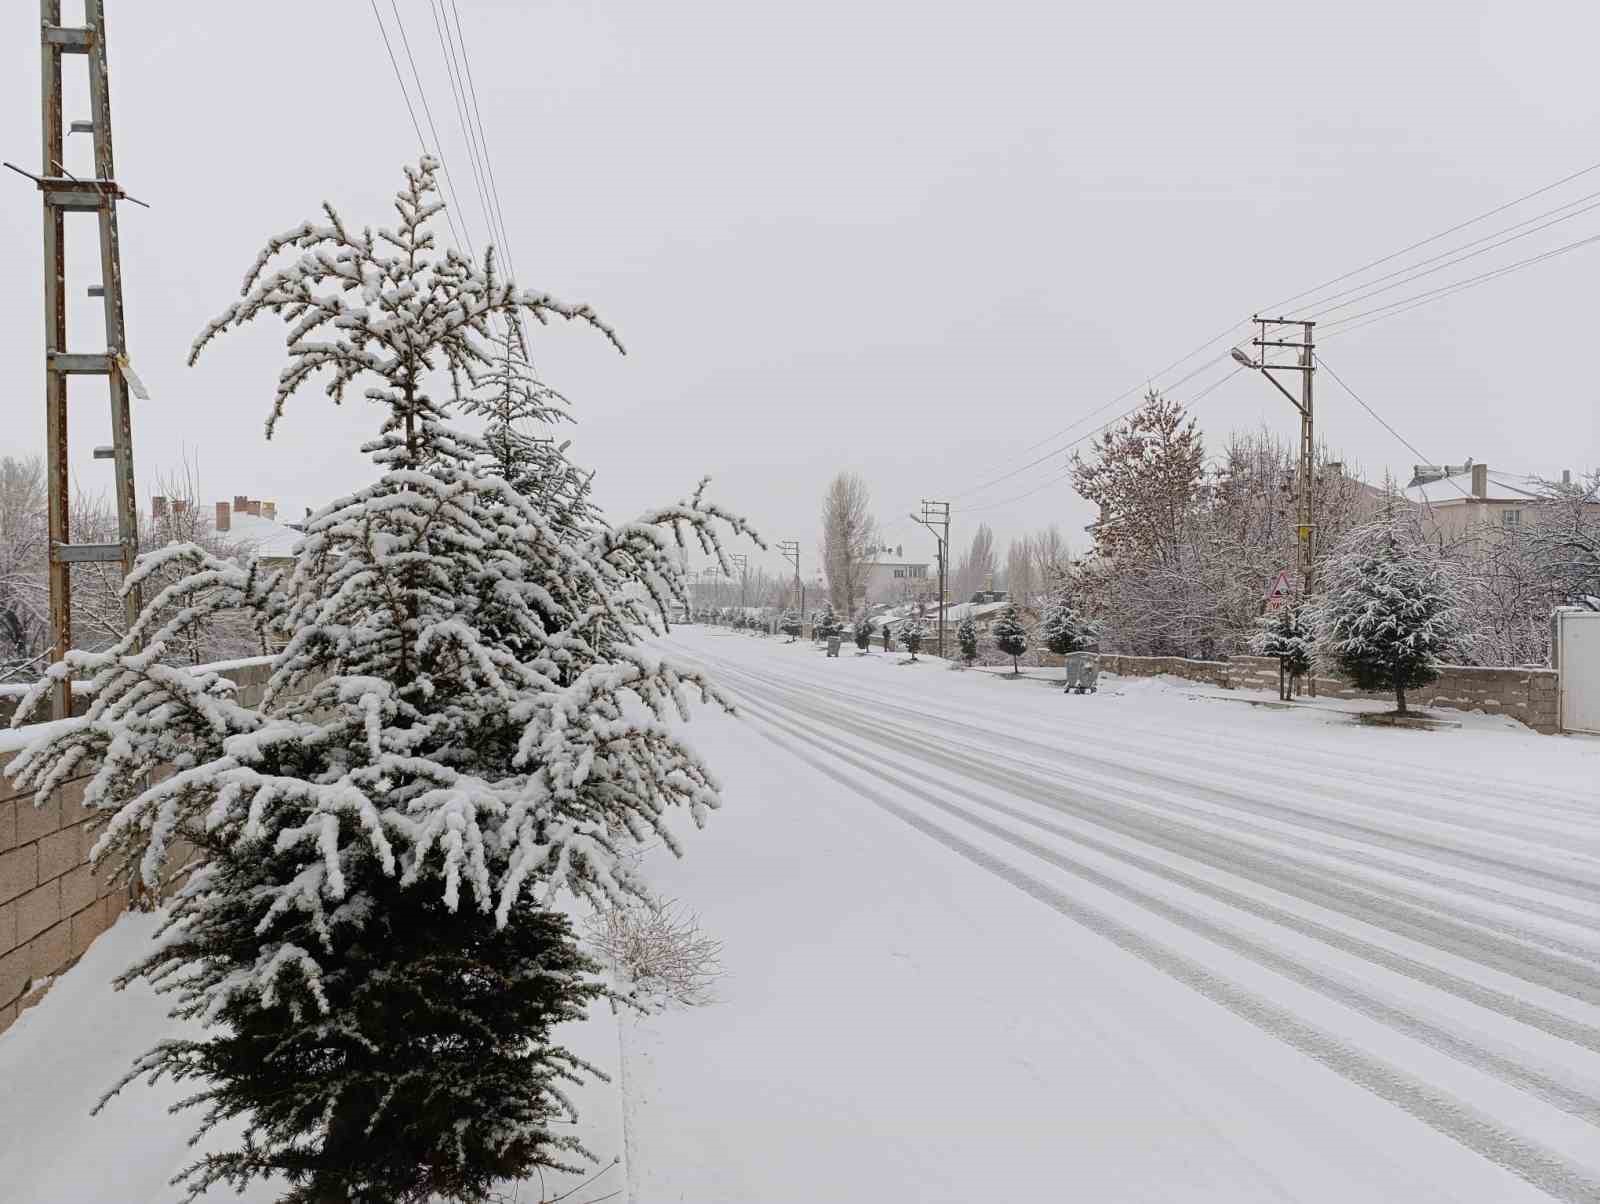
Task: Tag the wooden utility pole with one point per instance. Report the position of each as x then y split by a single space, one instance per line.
937 515
66 193
1270 330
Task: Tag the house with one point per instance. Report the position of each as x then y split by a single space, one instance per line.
1471 500
248 523
897 581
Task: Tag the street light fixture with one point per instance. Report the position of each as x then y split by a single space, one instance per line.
1243 357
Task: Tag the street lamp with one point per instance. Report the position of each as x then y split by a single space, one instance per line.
1243 357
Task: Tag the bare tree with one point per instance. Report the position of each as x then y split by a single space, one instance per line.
977 564
24 609
848 532
1145 475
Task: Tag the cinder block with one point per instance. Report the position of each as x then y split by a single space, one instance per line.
34 822
72 809
8 825
38 909
19 871
86 925
13 974
58 853
77 889
51 950
8 927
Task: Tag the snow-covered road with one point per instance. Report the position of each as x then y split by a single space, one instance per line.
989 942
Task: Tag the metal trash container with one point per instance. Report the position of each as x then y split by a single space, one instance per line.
833 645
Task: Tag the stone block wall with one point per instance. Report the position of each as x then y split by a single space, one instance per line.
1527 695
52 902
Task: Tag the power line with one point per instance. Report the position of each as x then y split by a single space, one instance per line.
406 96
1055 480
1058 450
1381 421
483 136
1432 238
438 143
1342 326
1449 263
447 52
1339 322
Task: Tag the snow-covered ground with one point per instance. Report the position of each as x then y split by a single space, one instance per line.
986 942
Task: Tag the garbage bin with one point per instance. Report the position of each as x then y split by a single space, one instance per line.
833 645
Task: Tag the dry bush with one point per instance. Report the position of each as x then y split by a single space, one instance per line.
656 952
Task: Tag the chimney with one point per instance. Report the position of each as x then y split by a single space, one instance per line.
1480 480
254 508
158 509
224 517
269 510
241 504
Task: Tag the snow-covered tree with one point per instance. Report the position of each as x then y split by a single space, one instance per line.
824 621
912 631
1010 637
967 638
791 625
862 630
1286 635
516 403
1063 630
1392 609
461 726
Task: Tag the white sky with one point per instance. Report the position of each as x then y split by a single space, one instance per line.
910 239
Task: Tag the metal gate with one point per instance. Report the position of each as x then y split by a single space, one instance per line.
1576 649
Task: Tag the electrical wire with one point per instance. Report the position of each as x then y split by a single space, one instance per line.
1207 391
1381 420
1343 326
405 94
447 52
438 143
1432 238
1449 263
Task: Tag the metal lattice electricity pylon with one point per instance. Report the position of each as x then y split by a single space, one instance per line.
66 193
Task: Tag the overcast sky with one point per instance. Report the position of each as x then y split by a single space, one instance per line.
909 239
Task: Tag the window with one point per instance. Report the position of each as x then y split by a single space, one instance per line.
899 572
1511 518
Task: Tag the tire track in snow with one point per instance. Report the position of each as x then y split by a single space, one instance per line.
1545 1169
1545 877
1573 979
1560 1095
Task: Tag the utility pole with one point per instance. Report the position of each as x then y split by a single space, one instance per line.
789 549
937 515
66 193
743 561
1271 332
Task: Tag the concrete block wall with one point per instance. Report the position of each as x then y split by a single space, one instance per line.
52 902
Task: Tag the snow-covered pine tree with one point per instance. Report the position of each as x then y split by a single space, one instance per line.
1286 635
446 743
911 632
1010 637
967 638
515 403
1063 630
1391 611
791 625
